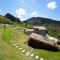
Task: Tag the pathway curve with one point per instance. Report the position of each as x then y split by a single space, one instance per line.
26 53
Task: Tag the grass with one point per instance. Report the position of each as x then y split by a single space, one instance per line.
8 52
7 35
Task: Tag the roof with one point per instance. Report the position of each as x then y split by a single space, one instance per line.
39 27
40 38
29 30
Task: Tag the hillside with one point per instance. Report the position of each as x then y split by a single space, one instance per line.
12 39
42 21
53 26
12 18
5 20
9 19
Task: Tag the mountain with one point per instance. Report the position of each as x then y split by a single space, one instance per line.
12 18
9 19
42 21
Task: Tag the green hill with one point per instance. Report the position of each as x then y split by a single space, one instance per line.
43 21
12 18
5 20
9 19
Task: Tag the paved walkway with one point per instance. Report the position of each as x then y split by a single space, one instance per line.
26 53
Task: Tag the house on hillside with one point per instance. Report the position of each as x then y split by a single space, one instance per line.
41 30
28 31
38 38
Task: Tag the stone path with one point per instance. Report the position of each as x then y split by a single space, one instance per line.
27 53
23 51
20 48
36 56
32 55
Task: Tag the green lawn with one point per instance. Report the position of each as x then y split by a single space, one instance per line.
9 52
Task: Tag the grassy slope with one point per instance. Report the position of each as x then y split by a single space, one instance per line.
4 20
8 52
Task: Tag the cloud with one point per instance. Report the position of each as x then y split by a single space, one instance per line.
20 11
34 14
22 14
52 5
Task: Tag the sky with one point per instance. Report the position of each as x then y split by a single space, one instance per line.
25 9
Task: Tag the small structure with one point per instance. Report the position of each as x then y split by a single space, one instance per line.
41 30
29 31
39 41
38 38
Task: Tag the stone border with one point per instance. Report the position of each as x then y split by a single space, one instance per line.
26 53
